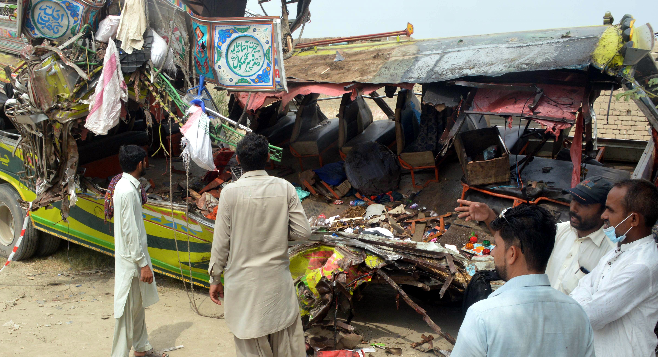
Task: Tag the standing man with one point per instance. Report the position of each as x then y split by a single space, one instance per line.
257 215
134 285
620 296
580 243
526 316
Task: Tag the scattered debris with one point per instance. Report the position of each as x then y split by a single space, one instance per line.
173 348
12 326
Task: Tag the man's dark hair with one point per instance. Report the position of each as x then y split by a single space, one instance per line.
252 152
641 197
532 229
130 156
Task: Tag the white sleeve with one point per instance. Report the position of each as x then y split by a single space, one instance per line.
130 233
614 300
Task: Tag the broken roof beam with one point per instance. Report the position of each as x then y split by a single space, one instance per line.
408 31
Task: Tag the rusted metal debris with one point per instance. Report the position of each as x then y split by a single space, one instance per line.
424 339
408 31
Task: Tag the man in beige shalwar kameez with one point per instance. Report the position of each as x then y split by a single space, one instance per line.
257 215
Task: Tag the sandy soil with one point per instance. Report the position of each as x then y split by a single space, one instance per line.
63 305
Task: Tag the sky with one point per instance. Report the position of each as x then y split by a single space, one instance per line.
434 19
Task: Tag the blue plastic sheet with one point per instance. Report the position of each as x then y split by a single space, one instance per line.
333 174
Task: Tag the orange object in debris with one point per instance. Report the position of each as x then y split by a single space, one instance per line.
338 353
469 245
215 193
212 215
213 184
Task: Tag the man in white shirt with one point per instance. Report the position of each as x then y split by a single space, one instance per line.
620 296
524 317
134 285
580 243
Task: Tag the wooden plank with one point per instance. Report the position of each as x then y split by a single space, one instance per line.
420 229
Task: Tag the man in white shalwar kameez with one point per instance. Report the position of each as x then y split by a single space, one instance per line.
257 216
134 285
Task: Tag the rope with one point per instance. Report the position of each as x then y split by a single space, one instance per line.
190 295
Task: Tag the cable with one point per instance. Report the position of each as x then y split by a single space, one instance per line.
518 176
191 297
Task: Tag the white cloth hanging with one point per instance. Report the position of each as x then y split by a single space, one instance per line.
132 26
196 139
111 89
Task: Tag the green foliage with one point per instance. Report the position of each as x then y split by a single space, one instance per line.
629 94
653 82
639 91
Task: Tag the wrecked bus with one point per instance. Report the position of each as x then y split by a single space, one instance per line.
60 171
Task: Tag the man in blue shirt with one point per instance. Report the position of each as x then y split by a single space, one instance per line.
526 316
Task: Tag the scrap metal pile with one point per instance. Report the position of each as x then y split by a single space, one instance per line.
328 273
396 246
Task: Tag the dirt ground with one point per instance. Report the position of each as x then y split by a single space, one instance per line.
63 305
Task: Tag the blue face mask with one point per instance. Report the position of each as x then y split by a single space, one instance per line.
612 235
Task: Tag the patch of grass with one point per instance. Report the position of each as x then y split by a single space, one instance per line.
81 258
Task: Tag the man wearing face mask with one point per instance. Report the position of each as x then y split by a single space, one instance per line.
526 316
620 296
580 243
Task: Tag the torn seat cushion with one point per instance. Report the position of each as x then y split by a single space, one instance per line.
281 131
307 117
380 131
356 118
317 139
418 159
372 169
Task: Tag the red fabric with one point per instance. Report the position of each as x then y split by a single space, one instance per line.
577 150
556 102
341 353
260 99
108 71
109 203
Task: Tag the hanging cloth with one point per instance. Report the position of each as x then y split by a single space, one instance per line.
110 91
196 139
132 26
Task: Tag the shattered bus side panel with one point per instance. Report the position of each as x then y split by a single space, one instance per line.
86 225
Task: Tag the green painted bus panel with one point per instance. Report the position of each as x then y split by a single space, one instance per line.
86 226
